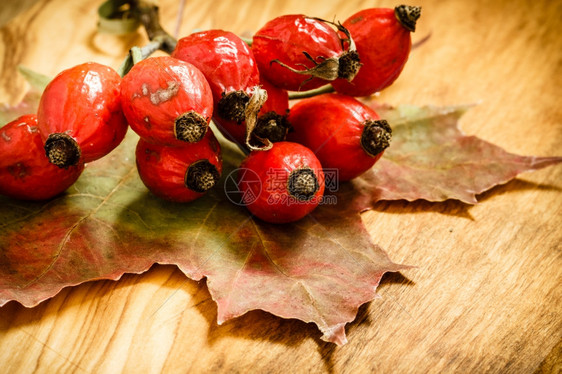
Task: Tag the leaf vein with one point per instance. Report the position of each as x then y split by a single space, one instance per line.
74 227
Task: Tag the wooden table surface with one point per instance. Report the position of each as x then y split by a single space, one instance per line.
487 294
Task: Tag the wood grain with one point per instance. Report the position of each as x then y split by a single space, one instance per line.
487 294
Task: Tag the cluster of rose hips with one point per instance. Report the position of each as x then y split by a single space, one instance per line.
242 87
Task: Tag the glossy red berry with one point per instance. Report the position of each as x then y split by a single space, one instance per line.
282 184
229 66
167 101
180 174
296 52
382 38
343 133
79 115
25 171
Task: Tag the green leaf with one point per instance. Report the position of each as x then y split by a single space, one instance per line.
36 80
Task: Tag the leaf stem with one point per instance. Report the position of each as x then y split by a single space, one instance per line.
311 93
137 54
246 40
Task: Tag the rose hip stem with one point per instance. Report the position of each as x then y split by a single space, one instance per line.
148 15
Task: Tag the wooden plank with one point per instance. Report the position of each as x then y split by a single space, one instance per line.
486 296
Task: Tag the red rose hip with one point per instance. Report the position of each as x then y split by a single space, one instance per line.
343 133
382 38
180 174
79 115
291 182
167 101
25 171
296 53
229 66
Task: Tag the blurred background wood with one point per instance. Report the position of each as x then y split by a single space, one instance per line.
486 296
11 8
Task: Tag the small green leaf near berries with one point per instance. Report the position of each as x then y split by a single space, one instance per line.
30 101
36 80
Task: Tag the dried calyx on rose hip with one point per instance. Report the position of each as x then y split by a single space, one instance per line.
282 184
25 171
167 101
296 52
229 66
272 123
180 174
383 40
343 133
79 115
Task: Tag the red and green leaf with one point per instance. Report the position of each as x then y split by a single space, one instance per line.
319 270
431 159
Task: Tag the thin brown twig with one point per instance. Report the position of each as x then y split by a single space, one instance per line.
148 14
179 19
